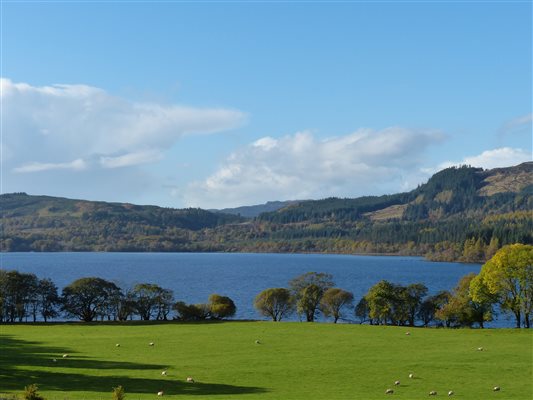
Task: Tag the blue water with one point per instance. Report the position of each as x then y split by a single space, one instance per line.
194 276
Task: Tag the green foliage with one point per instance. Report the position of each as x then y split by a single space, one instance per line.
118 393
30 393
275 303
308 289
508 276
221 307
462 310
87 298
333 301
191 312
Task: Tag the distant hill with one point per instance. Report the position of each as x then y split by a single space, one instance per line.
461 214
256 210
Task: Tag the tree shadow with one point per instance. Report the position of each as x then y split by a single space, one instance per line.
16 353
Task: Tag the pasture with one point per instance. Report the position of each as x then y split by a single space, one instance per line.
291 361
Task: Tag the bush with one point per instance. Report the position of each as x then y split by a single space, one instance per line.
118 393
30 393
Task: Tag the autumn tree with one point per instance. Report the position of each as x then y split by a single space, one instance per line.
333 301
275 303
221 306
508 275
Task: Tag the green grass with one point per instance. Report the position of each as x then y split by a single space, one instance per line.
293 361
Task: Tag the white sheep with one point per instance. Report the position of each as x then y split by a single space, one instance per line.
160 393
411 376
117 345
190 379
407 333
389 391
480 349
257 342
451 393
396 383
151 344
433 393
164 373
496 388
65 355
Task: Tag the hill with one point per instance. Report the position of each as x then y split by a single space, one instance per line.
461 214
256 210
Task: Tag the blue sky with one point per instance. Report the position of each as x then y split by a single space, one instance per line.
218 104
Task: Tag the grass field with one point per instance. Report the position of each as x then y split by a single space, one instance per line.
292 361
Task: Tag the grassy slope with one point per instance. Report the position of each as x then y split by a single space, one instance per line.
293 361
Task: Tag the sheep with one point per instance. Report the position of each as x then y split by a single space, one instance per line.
160 393
407 333
117 345
451 393
433 393
65 355
496 388
190 379
164 373
257 342
396 383
389 391
411 376
151 344
480 349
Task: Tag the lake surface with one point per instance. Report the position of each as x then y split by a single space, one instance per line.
194 276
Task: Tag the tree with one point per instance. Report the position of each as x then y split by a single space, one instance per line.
333 301
85 297
412 298
508 275
362 310
308 290
431 305
221 306
462 310
380 302
275 303
191 312
146 298
48 299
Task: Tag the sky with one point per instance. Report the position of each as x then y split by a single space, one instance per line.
222 104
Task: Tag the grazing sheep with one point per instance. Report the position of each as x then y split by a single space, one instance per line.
451 393
164 373
411 376
117 345
257 342
389 391
480 349
407 333
160 393
396 383
496 388
65 355
190 380
433 393
151 344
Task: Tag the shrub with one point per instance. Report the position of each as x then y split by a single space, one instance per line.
30 393
118 393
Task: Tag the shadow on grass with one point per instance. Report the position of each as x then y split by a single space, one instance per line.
15 353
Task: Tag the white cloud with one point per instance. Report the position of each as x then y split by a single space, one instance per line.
76 165
126 160
518 124
496 158
301 166
45 127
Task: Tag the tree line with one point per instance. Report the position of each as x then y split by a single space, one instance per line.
506 281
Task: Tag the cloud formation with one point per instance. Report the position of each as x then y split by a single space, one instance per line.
47 127
496 158
300 166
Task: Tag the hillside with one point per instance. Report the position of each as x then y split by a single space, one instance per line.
256 210
459 214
